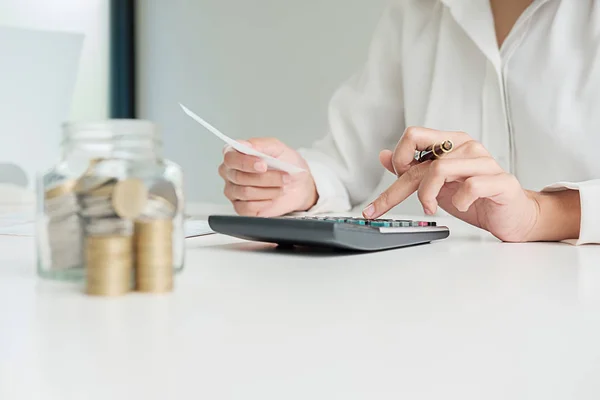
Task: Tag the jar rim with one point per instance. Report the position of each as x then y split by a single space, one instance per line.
111 122
134 129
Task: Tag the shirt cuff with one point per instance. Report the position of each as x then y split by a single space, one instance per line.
333 196
589 193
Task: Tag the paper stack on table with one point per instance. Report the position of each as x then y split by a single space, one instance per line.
20 225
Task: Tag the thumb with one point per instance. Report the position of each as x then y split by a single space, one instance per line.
269 146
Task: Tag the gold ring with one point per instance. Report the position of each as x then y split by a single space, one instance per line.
433 150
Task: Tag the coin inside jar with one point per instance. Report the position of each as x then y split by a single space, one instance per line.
129 198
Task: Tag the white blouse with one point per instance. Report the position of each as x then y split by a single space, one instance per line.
534 103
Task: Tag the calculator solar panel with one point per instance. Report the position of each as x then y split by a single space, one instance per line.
356 234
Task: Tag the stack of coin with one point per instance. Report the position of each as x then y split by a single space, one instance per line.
154 255
110 263
64 226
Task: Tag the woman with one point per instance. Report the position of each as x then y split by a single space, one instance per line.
515 84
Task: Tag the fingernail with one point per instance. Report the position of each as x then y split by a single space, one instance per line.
286 179
369 211
260 166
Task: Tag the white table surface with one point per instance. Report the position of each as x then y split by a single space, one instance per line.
465 318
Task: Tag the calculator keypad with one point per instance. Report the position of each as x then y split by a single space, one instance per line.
375 223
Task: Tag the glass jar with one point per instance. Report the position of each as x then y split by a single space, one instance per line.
110 177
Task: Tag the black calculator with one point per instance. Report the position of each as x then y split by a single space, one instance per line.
354 234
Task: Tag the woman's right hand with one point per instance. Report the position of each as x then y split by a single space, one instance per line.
254 190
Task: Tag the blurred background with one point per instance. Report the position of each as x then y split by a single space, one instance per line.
91 18
251 68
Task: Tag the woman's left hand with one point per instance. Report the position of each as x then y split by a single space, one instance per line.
467 183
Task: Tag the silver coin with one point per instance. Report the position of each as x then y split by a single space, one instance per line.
158 208
165 190
66 222
60 200
61 215
66 247
62 262
94 200
60 234
69 217
92 182
61 206
98 210
64 238
59 229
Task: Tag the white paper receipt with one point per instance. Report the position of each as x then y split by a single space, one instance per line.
272 162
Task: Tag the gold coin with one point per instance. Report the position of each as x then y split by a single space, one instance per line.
100 262
155 286
110 269
129 198
109 282
153 277
62 189
153 238
106 258
153 272
157 270
159 273
154 252
145 227
109 244
155 246
109 276
108 291
115 261
154 259
110 239
163 255
109 279
160 243
124 283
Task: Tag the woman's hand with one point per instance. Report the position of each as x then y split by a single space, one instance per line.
256 191
469 184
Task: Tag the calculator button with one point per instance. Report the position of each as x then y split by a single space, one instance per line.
380 224
356 222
